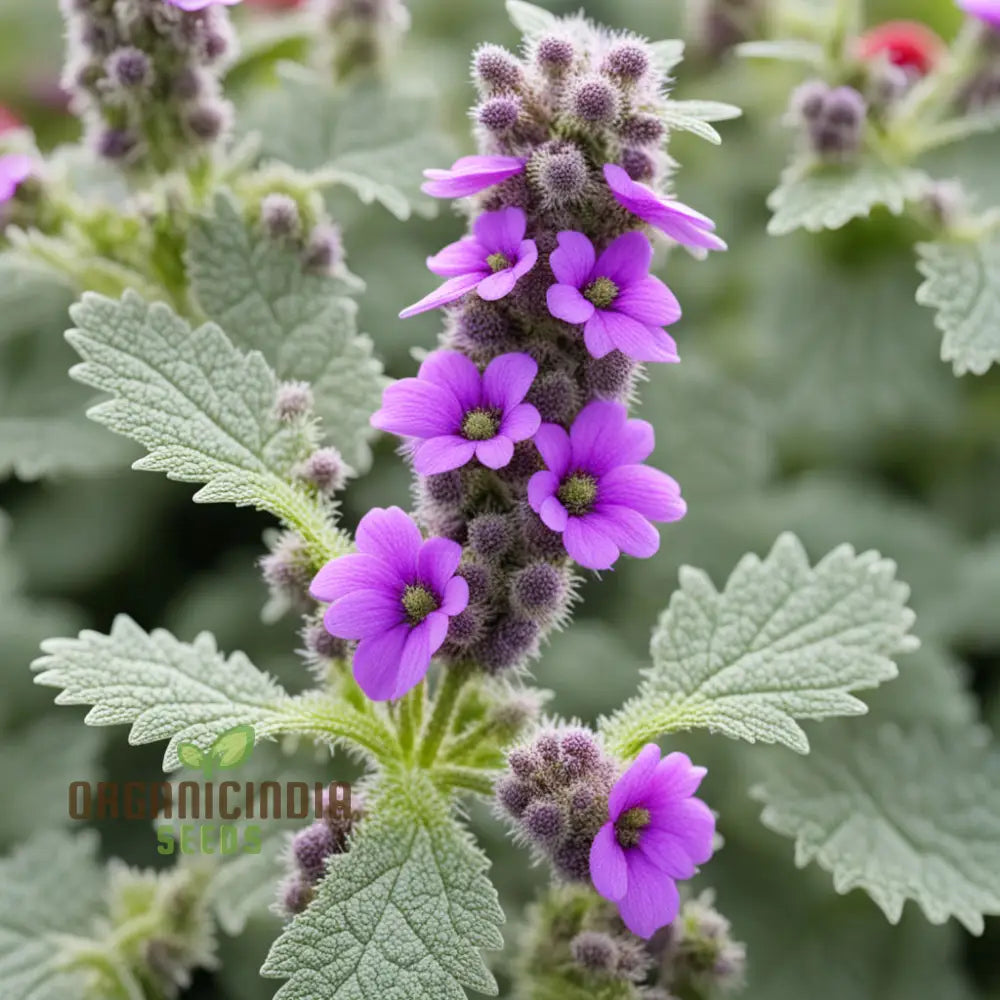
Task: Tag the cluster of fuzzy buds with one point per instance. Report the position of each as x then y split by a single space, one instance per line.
144 75
314 845
299 222
363 33
833 119
556 795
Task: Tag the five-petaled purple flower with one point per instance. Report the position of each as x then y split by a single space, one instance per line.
456 413
396 594
623 306
987 11
15 168
656 833
674 218
596 493
193 5
491 261
470 175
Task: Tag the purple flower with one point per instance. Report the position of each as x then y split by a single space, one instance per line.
595 493
14 168
396 594
456 413
656 833
621 303
470 175
674 218
987 11
192 5
491 261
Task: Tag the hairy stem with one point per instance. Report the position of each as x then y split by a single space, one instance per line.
444 706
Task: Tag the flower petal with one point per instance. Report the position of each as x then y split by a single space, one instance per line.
356 571
694 823
501 231
554 515
527 257
629 530
676 777
495 453
521 422
630 789
596 436
608 868
376 663
364 613
497 286
507 380
467 256
651 492
456 596
553 445
573 262
541 486
442 454
566 302
587 544
413 407
416 656
652 900
457 374
470 175
437 562
666 852
626 260
595 336
650 302
451 291
392 536
636 340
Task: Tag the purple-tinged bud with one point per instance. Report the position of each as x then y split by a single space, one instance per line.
572 860
845 107
310 849
466 629
549 748
287 568
556 396
279 214
540 592
643 130
611 377
594 101
499 114
482 329
208 122
808 100
497 69
516 713
638 164
509 644
560 171
583 799
514 796
634 961
323 646
480 581
188 84
325 251
627 61
544 823
524 762
491 536
293 400
296 895
700 954
595 952
116 144
554 55
325 469
581 753
444 489
540 540
130 68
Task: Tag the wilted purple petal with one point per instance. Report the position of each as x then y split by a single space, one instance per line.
451 291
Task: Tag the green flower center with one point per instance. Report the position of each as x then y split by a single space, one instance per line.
418 602
630 825
480 425
498 262
601 292
577 493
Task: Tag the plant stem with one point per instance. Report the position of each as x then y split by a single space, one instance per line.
440 720
409 719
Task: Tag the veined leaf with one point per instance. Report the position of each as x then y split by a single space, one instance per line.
304 324
963 286
902 814
785 50
694 117
667 54
401 916
781 642
529 18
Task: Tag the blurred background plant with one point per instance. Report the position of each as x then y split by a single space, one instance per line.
814 399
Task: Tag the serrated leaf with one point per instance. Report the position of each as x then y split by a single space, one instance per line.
818 196
781 642
911 814
529 18
37 447
401 916
694 117
32 296
360 135
233 747
667 54
51 886
188 755
303 324
963 286
785 50
167 690
202 409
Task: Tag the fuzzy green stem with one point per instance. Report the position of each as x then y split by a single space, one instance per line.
409 710
444 707
456 750
465 779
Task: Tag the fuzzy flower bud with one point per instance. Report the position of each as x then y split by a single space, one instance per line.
595 952
833 119
540 592
496 69
130 68
287 568
293 401
279 215
325 469
491 536
499 114
627 61
554 55
325 250
560 172
594 101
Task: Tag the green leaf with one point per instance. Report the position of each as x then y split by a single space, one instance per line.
165 688
360 135
303 324
817 196
202 409
52 886
911 814
784 50
190 756
402 914
963 286
781 642
32 297
667 54
529 18
694 117
232 748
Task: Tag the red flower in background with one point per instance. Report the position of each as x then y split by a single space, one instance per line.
8 120
908 44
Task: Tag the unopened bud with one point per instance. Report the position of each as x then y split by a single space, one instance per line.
279 214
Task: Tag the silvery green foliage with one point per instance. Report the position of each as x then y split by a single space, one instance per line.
303 323
816 196
401 916
903 814
696 116
358 134
783 641
963 286
50 887
530 19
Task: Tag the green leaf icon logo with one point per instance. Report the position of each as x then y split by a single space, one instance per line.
190 756
233 747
